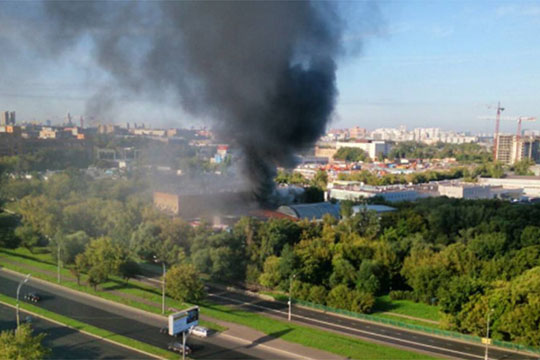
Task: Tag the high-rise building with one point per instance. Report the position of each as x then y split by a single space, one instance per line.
511 149
8 118
5 118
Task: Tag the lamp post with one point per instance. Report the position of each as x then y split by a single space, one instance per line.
290 294
58 262
162 284
23 281
486 357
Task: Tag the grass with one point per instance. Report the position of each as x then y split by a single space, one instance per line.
384 304
92 329
406 307
327 341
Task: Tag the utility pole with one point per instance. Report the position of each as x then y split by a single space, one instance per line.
156 260
163 288
487 340
23 281
290 294
58 261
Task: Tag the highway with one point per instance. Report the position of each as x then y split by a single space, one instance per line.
131 323
445 347
67 343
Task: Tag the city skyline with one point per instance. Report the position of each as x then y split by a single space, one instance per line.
422 64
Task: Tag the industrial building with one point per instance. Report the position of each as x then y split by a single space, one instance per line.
316 211
462 190
354 190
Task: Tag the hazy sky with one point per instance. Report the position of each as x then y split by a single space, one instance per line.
423 64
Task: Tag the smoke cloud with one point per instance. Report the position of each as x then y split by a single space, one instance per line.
264 71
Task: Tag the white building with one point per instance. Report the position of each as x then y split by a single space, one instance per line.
462 190
372 147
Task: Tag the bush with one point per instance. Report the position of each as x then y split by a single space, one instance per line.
362 302
402 295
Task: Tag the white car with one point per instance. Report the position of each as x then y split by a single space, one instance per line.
200 331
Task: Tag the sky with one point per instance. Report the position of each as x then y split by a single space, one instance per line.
420 64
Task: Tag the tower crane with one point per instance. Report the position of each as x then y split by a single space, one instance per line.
518 134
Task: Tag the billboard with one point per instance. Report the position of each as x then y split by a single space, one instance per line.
183 320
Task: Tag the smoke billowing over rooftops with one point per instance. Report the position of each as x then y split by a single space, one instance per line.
264 71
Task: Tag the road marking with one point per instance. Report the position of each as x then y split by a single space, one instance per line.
354 329
273 349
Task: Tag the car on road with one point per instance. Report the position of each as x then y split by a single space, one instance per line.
200 331
164 330
179 348
32 297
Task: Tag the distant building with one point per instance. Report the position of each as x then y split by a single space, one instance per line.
529 184
462 190
372 147
354 190
314 211
357 132
8 118
325 151
510 149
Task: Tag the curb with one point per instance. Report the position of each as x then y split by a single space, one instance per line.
153 356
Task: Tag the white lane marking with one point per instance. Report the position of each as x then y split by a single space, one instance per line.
272 349
353 329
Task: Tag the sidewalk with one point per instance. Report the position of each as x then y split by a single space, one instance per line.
243 335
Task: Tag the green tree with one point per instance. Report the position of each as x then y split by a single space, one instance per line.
271 275
320 180
22 344
339 297
522 167
29 238
184 283
97 275
351 154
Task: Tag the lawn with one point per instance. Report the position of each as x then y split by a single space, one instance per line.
338 344
407 307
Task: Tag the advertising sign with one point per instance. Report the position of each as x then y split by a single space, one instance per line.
183 320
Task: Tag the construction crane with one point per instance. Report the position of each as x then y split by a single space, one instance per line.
498 119
497 125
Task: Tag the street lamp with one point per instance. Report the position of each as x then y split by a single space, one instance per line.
290 294
162 284
23 281
487 334
58 261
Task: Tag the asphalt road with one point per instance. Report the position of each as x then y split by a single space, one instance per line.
128 322
67 343
362 329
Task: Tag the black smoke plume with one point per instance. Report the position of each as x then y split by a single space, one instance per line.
264 71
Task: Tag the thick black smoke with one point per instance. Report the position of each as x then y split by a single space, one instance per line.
264 71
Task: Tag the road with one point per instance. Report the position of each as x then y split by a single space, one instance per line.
121 320
67 343
366 330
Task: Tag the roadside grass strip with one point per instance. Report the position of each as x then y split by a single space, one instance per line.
98 332
319 339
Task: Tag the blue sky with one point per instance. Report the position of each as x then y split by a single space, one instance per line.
426 64
440 63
